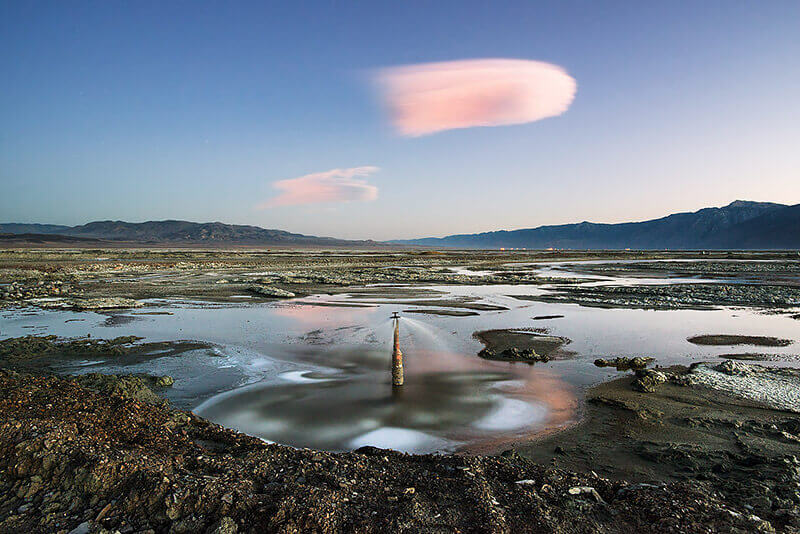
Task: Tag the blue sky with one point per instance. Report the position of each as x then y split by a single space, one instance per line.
193 110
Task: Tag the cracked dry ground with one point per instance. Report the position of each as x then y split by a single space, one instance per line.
73 458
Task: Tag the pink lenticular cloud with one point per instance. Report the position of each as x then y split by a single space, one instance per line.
335 185
431 97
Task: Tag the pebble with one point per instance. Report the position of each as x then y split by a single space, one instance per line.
83 528
585 490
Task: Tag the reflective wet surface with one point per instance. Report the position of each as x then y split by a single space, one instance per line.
311 375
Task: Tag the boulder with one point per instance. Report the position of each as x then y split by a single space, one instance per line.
647 380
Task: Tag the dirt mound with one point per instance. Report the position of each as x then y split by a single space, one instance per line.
520 344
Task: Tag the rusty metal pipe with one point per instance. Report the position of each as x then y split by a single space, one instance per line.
397 356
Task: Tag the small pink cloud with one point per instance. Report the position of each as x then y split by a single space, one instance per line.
335 185
431 97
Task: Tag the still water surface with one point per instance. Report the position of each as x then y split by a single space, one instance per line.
307 375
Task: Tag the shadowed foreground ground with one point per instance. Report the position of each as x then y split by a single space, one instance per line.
74 458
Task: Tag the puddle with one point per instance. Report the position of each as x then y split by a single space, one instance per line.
317 375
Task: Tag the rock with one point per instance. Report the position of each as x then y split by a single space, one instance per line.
226 525
623 363
269 291
760 504
83 528
164 381
734 368
640 362
647 380
640 486
101 303
201 477
514 354
586 490
104 512
126 386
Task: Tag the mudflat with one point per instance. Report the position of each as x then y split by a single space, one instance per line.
696 448
734 339
686 431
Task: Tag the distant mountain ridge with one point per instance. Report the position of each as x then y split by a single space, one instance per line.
777 229
180 232
54 239
741 224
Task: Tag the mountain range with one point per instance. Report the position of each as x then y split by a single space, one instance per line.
739 225
179 233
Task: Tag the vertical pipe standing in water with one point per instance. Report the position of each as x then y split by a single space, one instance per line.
397 356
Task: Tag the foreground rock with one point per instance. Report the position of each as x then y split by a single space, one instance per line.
648 380
72 458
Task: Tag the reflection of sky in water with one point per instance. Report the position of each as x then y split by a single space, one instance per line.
440 410
318 376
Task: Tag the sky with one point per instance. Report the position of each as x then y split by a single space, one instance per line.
388 120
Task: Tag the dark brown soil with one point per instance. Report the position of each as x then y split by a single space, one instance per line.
71 457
